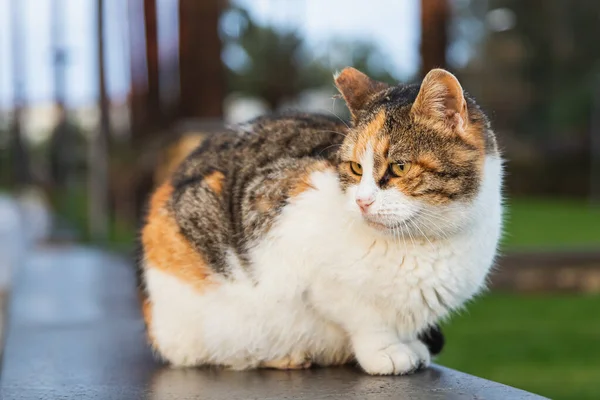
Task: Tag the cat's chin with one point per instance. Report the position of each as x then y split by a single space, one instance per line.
377 225
387 227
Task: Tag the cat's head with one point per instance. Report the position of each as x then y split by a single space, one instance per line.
413 160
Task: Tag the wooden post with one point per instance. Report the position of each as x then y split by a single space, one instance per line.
98 147
435 15
154 118
144 101
202 80
137 66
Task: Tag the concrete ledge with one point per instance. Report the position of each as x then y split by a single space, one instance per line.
74 332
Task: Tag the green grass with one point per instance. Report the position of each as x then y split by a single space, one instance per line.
548 344
551 224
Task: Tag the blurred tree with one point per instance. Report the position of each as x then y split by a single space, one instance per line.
66 152
546 57
145 104
269 66
276 64
536 68
154 114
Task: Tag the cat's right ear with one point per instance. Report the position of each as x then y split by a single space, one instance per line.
441 98
357 88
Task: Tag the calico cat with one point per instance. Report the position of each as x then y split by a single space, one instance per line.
295 239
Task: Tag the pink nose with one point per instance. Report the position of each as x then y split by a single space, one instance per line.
364 203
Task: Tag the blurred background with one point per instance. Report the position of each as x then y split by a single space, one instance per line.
99 100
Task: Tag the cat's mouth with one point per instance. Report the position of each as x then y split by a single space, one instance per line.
386 225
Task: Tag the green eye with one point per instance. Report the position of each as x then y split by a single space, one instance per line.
356 168
399 169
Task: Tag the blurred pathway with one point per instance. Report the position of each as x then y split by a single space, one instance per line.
24 221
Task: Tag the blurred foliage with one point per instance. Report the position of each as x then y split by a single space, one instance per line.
540 60
545 344
276 64
535 67
562 61
67 153
71 208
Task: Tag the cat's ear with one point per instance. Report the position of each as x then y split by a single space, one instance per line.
357 88
441 98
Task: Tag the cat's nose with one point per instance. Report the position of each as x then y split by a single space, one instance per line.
364 203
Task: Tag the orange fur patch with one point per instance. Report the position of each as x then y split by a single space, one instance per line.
473 135
368 133
174 155
381 146
302 182
166 249
296 361
429 161
215 181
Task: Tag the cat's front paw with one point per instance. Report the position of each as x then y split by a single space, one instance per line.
396 359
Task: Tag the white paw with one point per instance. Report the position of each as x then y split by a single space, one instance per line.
422 351
396 359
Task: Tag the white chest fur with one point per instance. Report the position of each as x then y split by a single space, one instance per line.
321 249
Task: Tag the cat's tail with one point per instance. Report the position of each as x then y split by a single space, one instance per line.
434 339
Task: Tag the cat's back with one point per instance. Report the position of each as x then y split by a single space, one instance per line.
228 192
224 197
265 140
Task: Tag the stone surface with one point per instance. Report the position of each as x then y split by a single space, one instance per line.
24 220
75 332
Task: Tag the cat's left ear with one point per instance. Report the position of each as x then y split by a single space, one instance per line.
441 98
357 88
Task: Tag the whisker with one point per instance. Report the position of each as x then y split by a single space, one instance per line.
422 212
437 229
337 116
410 235
436 226
420 230
402 233
326 131
328 147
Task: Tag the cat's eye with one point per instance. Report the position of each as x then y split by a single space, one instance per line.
356 168
400 168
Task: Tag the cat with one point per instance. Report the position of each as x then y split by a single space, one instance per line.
296 239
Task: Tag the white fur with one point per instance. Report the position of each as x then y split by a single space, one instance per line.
325 285
367 188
